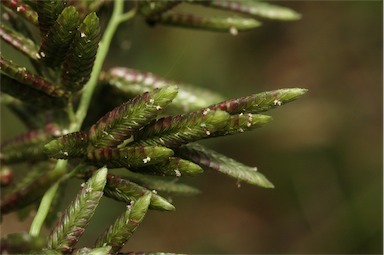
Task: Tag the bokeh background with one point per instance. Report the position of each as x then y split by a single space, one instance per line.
323 152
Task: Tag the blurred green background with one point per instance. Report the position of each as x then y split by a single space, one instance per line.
323 152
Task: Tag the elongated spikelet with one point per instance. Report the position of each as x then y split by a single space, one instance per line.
130 82
216 161
256 8
122 229
130 156
79 60
57 42
120 123
172 167
123 190
176 130
77 216
48 12
68 146
30 79
260 102
232 24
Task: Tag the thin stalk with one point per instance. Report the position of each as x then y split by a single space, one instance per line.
46 201
43 210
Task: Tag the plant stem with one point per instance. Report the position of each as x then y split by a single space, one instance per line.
46 201
76 121
43 210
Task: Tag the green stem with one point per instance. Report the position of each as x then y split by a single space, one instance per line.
46 201
43 210
76 121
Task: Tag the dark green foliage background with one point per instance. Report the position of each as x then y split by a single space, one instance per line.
322 152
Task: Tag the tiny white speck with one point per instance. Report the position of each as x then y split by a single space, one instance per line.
65 153
277 102
233 31
158 107
206 111
177 172
82 185
18 8
238 184
241 114
151 100
207 132
154 191
249 124
42 54
82 35
254 169
146 160
241 130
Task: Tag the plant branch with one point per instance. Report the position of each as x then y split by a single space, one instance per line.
76 121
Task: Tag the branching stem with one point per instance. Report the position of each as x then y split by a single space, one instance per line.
118 16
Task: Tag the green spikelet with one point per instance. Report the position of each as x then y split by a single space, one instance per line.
219 24
26 77
216 161
162 184
261 102
27 146
123 190
82 53
176 130
48 12
254 7
129 156
29 95
76 218
18 41
130 83
119 124
68 146
173 167
57 42
240 123
122 229
150 8
23 10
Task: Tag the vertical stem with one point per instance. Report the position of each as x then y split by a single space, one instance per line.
43 210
